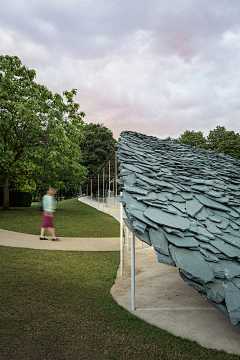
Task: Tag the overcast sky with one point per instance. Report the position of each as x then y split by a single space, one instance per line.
159 67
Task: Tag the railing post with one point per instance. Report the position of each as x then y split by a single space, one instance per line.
91 190
121 238
116 183
109 189
98 191
133 271
103 188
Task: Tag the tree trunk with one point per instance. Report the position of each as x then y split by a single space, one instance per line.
5 194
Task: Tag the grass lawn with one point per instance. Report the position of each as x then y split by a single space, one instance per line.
57 305
72 218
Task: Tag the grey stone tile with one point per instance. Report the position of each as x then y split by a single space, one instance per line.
211 203
188 242
232 299
217 270
194 284
142 236
226 249
164 259
193 263
209 256
164 218
220 307
236 282
159 241
235 241
231 269
193 207
208 246
140 216
215 291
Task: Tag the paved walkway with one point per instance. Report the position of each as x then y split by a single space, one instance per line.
113 209
11 238
162 297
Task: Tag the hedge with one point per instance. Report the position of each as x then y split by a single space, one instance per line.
18 198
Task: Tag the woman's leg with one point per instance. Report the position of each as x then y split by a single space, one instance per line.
52 231
42 232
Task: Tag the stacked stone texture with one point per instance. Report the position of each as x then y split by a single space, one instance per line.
185 202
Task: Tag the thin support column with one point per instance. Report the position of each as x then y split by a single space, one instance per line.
103 189
109 186
127 234
121 238
133 271
91 191
113 188
116 183
98 191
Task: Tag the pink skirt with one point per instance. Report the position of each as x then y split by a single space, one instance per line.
46 221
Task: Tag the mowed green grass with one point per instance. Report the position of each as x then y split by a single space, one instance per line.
57 305
72 219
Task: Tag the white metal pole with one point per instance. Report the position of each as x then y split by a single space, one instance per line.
133 271
121 238
127 239
116 182
87 189
109 198
113 192
103 188
98 191
91 191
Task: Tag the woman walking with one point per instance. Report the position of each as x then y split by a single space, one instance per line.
49 207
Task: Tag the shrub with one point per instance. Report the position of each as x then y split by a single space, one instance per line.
18 198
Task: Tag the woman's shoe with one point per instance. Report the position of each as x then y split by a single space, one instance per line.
43 238
55 239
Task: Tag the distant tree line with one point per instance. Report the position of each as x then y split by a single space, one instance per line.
219 139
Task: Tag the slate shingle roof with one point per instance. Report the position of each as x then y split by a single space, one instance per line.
185 202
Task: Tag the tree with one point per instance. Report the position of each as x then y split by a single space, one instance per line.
40 132
219 139
98 142
222 140
170 138
194 138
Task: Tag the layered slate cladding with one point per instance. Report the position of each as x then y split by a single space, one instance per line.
185 202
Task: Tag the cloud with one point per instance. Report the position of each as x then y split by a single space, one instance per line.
151 66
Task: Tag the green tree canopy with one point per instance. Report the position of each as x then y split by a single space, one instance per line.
222 140
219 139
194 138
40 132
98 142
